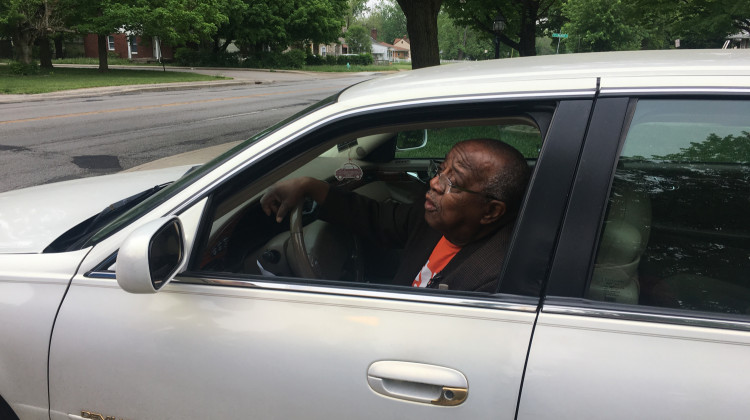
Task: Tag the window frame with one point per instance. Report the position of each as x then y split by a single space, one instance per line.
573 264
110 42
410 115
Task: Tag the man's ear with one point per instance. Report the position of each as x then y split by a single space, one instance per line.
495 210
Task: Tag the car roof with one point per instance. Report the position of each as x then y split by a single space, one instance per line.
578 74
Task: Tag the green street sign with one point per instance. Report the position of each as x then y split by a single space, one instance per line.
559 35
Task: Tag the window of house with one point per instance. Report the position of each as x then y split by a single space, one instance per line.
677 228
111 43
133 45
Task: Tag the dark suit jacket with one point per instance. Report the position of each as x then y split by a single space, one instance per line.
475 268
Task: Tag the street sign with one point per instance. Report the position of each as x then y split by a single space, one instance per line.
559 35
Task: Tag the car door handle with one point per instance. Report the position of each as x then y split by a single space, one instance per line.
418 382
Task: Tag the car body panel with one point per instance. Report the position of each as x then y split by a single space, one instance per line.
588 368
31 218
247 346
555 73
32 287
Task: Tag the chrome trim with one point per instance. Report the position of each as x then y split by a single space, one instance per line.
204 191
479 302
622 315
672 90
101 275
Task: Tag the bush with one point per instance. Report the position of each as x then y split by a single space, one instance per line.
364 59
355 60
21 69
293 59
263 60
190 57
313 60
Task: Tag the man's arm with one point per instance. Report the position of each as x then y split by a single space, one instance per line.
284 196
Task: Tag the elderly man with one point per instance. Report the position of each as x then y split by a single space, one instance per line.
456 239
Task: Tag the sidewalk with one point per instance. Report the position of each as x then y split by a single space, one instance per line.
240 77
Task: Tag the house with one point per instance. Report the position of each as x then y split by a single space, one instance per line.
331 49
404 48
132 47
739 40
384 52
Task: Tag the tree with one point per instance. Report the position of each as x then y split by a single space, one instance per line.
356 9
461 42
101 17
389 20
521 18
28 20
261 24
699 23
358 40
421 23
602 25
178 22
730 148
316 21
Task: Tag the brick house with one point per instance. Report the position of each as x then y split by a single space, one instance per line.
131 47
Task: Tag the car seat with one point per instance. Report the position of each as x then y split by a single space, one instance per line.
623 240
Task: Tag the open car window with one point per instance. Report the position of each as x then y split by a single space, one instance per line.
385 165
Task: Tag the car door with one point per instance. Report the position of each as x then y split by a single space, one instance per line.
219 344
646 314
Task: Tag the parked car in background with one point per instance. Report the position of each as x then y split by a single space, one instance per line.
625 292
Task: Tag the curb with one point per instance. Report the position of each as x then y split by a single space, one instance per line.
123 90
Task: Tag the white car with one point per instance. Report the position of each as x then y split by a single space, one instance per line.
625 293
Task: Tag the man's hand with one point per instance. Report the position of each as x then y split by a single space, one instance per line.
284 196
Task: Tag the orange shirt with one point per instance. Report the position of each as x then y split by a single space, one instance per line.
441 255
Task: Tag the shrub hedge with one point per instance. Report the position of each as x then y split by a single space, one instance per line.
20 69
292 59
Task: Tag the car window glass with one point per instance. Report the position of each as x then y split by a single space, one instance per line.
239 238
676 232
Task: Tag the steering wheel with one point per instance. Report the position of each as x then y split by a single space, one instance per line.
300 260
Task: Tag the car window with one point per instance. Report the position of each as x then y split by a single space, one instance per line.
676 232
240 239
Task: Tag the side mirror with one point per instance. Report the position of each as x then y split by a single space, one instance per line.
150 256
410 140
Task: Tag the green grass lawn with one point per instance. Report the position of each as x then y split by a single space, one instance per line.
71 78
526 139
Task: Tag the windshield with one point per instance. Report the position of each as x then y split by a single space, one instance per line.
157 199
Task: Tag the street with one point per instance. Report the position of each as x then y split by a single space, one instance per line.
72 136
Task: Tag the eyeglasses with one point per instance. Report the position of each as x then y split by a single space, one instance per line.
435 169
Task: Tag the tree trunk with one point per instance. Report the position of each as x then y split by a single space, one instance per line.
102 50
45 55
421 23
527 35
23 40
59 50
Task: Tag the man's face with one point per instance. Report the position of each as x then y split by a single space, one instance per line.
458 214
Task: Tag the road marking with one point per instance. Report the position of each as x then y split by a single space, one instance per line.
139 108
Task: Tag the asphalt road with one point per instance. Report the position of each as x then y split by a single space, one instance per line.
54 137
